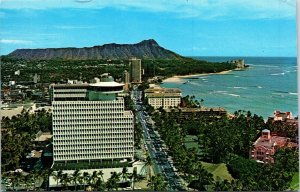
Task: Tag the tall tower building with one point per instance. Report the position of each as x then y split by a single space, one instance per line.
90 123
126 80
135 70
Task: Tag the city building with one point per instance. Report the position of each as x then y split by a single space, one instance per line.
285 124
196 113
281 116
36 78
240 63
135 70
163 97
90 123
266 145
126 80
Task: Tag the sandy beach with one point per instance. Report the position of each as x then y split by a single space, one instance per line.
179 78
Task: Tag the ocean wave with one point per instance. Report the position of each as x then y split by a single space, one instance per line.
236 76
231 94
238 87
269 66
259 87
204 79
291 93
220 91
278 74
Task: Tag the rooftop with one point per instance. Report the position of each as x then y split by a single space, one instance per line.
43 136
162 90
273 141
202 109
106 84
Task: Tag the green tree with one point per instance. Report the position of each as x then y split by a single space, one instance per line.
112 182
65 180
157 183
75 178
124 174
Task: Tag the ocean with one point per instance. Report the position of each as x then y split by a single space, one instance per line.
269 84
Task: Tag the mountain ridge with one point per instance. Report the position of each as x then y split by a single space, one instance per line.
146 49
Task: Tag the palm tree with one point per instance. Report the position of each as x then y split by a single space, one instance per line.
157 183
151 182
124 174
149 164
112 182
204 178
27 181
133 177
65 180
46 175
57 175
220 185
81 181
99 185
86 177
75 177
100 173
15 178
35 175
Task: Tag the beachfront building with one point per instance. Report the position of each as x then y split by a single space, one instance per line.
90 123
266 145
185 113
284 124
163 97
135 70
281 116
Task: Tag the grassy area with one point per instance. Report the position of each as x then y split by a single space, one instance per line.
295 182
190 141
218 170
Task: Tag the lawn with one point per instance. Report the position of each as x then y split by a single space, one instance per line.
295 182
218 170
190 141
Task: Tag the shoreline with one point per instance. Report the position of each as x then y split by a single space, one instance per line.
178 78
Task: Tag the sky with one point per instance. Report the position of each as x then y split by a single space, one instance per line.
187 27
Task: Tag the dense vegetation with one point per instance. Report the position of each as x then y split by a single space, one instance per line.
224 140
17 135
186 66
58 69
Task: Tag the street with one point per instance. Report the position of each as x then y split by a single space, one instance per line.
162 163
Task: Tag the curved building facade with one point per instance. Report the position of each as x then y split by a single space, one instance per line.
90 123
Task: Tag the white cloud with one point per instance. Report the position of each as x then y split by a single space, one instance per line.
204 9
14 41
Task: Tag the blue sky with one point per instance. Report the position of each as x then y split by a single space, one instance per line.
188 27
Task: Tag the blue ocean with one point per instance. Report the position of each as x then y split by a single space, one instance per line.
269 84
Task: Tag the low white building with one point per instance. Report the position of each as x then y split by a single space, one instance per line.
139 166
163 97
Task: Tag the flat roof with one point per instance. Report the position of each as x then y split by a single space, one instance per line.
202 109
162 90
44 137
163 95
106 84
83 85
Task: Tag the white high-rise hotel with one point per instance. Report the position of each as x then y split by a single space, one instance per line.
89 122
